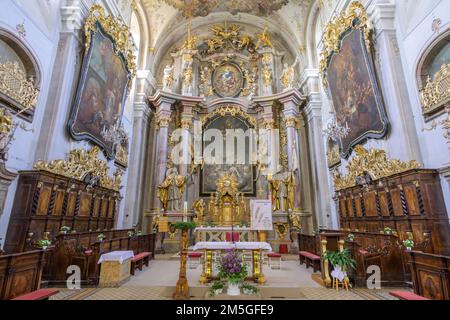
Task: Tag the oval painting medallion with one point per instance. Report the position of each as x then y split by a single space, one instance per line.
227 80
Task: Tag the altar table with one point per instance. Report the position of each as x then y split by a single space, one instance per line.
115 268
255 247
218 234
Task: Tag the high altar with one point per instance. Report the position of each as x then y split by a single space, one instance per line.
230 82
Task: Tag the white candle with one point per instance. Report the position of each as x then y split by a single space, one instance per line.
185 211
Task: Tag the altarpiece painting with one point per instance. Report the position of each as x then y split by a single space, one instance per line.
243 171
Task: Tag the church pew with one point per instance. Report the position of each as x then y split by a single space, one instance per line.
20 273
382 250
430 275
74 249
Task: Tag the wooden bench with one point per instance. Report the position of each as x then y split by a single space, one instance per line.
310 259
41 294
405 295
139 260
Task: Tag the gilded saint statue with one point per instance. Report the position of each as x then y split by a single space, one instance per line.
171 191
274 187
289 182
199 209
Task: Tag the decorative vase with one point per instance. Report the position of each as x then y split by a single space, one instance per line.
233 289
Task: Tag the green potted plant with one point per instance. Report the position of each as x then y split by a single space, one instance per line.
216 288
233 270
43 243
185 225
248 289
387 230
101 237
408 244
64 229
341 262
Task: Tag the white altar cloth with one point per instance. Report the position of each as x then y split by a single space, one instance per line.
230 245
119 256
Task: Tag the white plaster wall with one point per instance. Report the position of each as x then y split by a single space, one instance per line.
43 26
42 42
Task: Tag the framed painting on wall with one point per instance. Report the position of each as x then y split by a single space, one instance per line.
106 76
350 77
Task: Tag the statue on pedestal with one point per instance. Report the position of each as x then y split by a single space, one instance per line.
171 191
199 208
288 75
168 78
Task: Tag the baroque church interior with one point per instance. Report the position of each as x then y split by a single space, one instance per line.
209 150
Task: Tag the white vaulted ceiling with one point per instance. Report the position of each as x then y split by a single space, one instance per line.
287 25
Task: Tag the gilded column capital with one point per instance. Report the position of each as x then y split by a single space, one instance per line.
186 124
291 122
162 121
268 124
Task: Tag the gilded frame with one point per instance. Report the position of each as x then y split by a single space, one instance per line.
114 31
339 30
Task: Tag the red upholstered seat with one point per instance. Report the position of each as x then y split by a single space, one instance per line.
274 255
140 256
405 295
195 254
40 294
235 236
309 255
283 248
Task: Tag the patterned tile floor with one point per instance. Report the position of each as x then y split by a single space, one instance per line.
157 281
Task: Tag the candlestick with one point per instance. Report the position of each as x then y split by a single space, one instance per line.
185 211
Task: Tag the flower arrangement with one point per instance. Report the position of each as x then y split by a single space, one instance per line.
248 289
387 230
130 234
216 288
408 244
351 237
101 237
232 268
65 229
243 224
43 243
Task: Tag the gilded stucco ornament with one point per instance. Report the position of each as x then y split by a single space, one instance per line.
373 162
436 92
81 163
15 84
118 31
229 110
354 17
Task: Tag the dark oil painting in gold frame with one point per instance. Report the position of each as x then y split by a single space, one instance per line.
355 92
101 93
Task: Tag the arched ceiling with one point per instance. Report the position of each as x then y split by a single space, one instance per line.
286 21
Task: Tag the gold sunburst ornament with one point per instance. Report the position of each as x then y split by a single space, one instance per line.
227 184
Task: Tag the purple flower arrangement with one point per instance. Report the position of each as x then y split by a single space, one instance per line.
232 268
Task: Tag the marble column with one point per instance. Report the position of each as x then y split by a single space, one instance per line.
321 195
392 79
163 105
291 100
135 181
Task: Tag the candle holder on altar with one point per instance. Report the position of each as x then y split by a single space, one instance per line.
182 287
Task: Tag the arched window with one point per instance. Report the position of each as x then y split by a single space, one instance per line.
19 76
434 75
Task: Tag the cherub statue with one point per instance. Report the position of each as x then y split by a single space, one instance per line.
168 78
264 40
